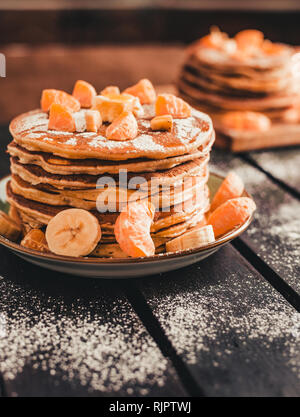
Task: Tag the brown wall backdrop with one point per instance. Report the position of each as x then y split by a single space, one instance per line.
52 49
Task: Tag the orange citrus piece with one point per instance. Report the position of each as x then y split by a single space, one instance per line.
172 105
246 120
214 40
93 120
132 229
144 90
249 38
110 89
231 214
61 119
231 187
51 96
85 93
123 128
270 48
111 105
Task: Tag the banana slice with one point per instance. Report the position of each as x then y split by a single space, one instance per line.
193 239
36 240
14 215
8 227
73 232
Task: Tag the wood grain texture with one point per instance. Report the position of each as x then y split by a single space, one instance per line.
279 135
283 165
235 333
64 336
274 233
31 69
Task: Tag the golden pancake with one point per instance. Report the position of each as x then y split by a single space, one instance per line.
43 213
36 175
105 200
238 87
229 64
63 166
30 130
234 103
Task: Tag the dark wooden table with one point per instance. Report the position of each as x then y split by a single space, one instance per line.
228 326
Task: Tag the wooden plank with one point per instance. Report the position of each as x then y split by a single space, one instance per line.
235 333
283 165
274 235
65 336
279 135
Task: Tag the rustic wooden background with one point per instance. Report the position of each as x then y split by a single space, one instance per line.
53 48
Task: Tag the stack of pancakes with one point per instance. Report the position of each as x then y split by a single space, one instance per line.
52 171
217 80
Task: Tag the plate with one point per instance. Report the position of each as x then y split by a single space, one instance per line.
117 268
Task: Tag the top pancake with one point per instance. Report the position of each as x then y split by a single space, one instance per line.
230 64
30 130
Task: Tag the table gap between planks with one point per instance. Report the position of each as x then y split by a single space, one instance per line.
228 326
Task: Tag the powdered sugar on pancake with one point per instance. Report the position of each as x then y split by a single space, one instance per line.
146 142
185 128
71 141
38 120
31 131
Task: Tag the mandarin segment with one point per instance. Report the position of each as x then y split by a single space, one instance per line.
93 120
110 89
132 229
168 104
246 120
231 214
231 187
73 232
85 93
111 106
123 128
162 123
270 48
249 39
50 96
61 119
144 90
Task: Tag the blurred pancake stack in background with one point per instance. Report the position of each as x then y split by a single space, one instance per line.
249 85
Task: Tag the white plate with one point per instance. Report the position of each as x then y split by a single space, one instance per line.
121 268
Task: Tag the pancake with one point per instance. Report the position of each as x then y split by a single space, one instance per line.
174 176
43 213
238 87
30 130
108 199
256 81
63 166
235 103
54 170
230 64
